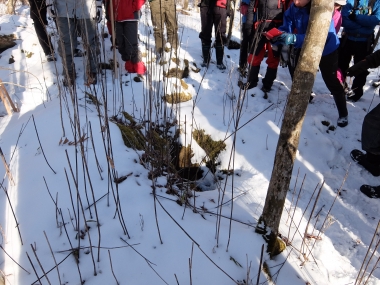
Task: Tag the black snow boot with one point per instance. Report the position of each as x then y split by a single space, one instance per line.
371 191
369 161
253 78
219 51
270 76
206 55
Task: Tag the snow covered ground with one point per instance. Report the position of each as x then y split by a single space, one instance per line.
162 242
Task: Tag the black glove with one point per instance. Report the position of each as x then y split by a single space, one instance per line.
352 16
357 69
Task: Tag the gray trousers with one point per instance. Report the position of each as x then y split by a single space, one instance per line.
67 29
127 40
164 14
371 131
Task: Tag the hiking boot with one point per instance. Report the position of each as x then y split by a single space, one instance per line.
78 53
206 55
247 85
368 160
221 66
253 78
51 57
370 191
219 52
269 78
342 121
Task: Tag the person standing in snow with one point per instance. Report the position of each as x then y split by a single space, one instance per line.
163 14
248 19
370 137
360 18
296 18
269 14
86 12
38 15
213 14
126 14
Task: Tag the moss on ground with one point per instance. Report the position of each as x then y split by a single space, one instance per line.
211 147
178 97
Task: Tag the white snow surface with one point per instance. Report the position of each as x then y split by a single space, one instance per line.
168 243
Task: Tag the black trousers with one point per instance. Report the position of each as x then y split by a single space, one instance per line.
358 50
38 15
371 131
213 17
245 44
328 67
128 41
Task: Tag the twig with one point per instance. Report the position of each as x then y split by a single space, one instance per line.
35 127
55 261
35 255
109 254
7 170
13 212
146 260
13 259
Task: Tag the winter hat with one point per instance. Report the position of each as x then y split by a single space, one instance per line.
341 2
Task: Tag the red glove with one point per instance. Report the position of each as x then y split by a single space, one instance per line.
244 9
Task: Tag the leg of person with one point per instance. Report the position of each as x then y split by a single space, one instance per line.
346 52
220 26
205 34
171 23
329 66
371 131
90 44
38 15
254 62
271 74
246 32
360 53
131 43
66 45
370 143
158 25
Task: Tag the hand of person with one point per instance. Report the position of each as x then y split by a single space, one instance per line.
358 68
352 16
285 39
244 9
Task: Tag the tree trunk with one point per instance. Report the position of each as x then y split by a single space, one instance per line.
11 7
304 76
185 4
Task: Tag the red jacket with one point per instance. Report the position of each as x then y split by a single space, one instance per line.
124 9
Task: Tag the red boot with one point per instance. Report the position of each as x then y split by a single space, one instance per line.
130 67
140 68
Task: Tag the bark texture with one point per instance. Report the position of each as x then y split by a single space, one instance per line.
320 18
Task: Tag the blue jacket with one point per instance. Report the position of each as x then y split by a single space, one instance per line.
364 24
296 21
250 16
